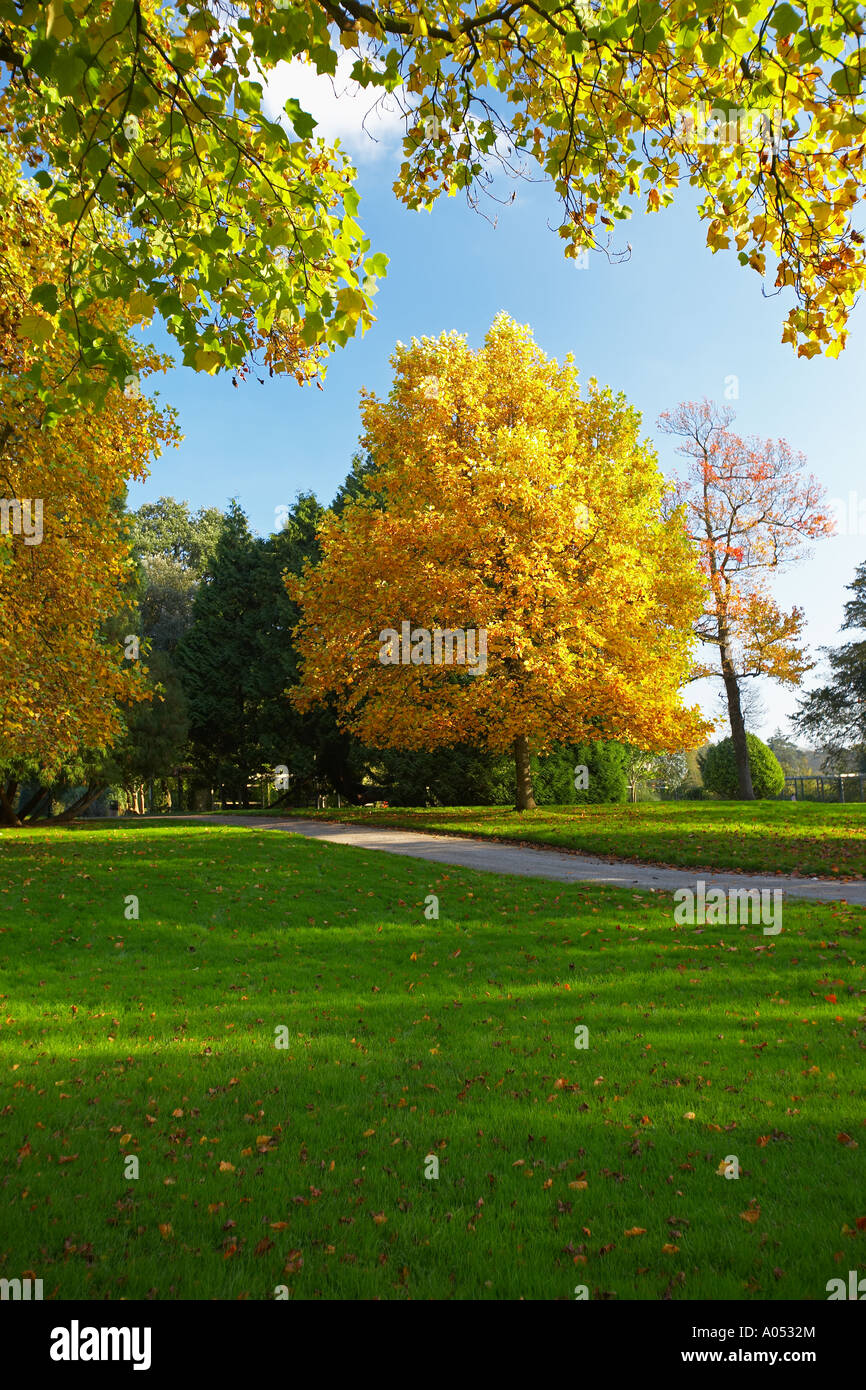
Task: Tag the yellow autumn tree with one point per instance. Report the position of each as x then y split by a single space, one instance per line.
515 519
64 560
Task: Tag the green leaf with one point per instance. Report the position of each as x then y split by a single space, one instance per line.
302 122
846 82
45 295
785 20
36 328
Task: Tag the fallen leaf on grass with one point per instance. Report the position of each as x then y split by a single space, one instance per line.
263 1246
165 1230
636 1231
294 1262
752 1215
226 1167
670 1249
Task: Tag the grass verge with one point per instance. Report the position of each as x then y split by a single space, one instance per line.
801 838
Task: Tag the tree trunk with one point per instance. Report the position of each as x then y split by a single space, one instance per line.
89 795
738 729
34 804
7 804
525 799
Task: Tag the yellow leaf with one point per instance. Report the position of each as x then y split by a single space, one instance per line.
36 328
58 26
140 305
206 361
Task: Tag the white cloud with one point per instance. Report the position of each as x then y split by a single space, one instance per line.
366 121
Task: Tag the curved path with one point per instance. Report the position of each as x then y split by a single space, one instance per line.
535 863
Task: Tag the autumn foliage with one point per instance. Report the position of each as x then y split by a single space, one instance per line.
61 674
750 509
507 500
149 127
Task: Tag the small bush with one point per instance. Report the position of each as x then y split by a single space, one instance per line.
719 769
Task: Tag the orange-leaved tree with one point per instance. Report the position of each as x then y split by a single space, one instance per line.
65 565
516 518
750 509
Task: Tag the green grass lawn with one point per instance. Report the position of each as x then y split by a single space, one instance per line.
807 838
304 1167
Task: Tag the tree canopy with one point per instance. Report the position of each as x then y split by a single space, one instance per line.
146 125
517 507
63 663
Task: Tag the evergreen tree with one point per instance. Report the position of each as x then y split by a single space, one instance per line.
834 715
318 755
216 658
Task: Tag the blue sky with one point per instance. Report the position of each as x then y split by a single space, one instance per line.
670 324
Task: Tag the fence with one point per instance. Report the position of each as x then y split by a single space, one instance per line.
833 786
827 786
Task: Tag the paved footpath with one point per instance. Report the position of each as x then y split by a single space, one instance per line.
535 863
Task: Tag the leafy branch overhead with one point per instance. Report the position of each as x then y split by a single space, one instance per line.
147 126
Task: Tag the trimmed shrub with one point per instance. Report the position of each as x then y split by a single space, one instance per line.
465 776
719 769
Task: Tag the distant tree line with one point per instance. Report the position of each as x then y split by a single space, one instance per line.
209 610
